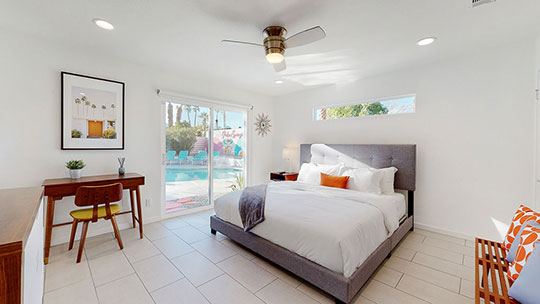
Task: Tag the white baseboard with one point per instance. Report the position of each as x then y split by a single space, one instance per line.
443 231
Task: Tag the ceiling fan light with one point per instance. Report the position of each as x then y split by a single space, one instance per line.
103 24
426 41
274 57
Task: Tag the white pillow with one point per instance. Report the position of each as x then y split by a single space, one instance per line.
310 173
364 179
387 181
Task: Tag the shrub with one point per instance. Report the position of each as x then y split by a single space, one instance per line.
75 164
109 133
180 138
76 133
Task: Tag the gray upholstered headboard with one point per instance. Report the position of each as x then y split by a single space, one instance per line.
403 157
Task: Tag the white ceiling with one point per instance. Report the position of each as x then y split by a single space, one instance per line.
364 37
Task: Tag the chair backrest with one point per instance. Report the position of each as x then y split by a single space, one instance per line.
216 153
171 154
98 195
202 154
183 154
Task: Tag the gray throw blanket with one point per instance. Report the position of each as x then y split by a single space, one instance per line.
251 206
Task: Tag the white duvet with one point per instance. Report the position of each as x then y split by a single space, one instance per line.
336 228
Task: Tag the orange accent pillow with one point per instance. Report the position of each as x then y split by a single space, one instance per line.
523 215
334 181
529 237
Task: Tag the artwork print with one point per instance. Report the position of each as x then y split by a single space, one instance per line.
92 113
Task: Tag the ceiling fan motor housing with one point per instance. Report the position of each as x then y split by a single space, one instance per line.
274 43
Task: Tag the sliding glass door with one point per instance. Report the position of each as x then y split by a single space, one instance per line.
204 155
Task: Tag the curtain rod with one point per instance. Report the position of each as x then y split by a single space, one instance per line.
180 96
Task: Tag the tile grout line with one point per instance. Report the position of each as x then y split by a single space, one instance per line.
472 269
430 234
91 276
138 277
412 295
71 284
425 280
439 248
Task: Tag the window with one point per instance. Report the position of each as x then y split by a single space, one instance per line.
382 106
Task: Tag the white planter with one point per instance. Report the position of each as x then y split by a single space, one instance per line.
75 173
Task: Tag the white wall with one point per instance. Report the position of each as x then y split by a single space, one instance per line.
474 128
30 119
537 159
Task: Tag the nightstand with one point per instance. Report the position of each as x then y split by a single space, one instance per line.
283 176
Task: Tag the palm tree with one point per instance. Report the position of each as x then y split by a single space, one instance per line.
113 107
78 102
216 112
87 104
169 115
196 110
94 110
103 107
223 119
178 114
188 109
204 117
323 114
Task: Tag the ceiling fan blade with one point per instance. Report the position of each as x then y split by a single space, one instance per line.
278 67
304 37
241 42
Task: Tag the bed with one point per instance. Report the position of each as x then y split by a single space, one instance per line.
336 253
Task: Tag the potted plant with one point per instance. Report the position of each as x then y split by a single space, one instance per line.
75 167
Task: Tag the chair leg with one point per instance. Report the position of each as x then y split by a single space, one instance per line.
83 239
73 231
116 232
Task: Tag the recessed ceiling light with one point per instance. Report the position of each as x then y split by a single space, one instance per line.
279 81
426 41
82 94
103 24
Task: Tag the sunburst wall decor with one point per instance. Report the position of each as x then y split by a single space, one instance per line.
262 124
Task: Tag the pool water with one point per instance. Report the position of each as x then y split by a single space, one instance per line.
181 175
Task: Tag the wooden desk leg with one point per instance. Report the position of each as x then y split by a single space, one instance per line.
138 191
48 228
132 207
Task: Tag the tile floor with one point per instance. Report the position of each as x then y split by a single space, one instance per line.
179 261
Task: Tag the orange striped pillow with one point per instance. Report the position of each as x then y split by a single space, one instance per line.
522 215
529 237
334 181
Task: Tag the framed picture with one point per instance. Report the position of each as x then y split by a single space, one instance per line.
92 113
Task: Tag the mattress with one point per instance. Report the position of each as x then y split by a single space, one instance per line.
336 228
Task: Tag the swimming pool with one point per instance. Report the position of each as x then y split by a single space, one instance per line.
181 175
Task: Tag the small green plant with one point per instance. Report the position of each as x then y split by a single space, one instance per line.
75 164
109 133
238 182
76 133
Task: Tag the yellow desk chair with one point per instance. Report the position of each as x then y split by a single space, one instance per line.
95 196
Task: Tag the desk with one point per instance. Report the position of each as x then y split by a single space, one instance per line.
58 188
21 246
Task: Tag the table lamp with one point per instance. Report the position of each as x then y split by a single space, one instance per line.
287 154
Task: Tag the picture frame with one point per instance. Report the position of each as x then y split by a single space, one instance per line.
92 113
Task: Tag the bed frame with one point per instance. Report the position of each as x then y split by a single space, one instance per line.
341 288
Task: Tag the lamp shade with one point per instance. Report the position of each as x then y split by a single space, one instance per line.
286 153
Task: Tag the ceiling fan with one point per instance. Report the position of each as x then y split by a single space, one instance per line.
275 44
